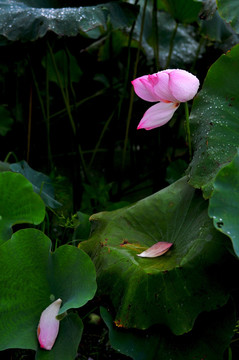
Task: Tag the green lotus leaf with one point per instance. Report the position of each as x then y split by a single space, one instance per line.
209 339
41 183
18 203
230 12
21 20
185 43
31 277
224 203
216 29
214 122
171 289
185 11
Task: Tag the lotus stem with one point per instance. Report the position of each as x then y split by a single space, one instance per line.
188 130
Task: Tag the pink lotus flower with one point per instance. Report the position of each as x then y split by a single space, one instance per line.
169 88
48 327
157 249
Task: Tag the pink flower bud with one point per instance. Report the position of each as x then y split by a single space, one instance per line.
169 88
48 327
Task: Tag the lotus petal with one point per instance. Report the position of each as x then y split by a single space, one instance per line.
157 249
157 115
183 85
48 327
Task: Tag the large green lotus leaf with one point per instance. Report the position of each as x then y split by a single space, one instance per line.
185 11
185 44
18 203
209 338
228 9
21 21
41 183
172 289
216 29
209 8
214 121
31 276
224 203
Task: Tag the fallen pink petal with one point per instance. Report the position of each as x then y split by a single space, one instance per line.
157 249
48 327
169 88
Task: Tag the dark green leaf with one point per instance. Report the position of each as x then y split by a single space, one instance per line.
185 45
172 289
5 121
42 184
67 67
185 11
214 121
31 276
22 21
230 12
208 340
215 28
175 170
82 230
208 10
18 204
224 203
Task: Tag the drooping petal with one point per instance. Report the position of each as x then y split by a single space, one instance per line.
183 85
48 327
157 249
157 115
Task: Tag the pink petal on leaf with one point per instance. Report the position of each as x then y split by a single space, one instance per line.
48 327
183 85
157 115
157 249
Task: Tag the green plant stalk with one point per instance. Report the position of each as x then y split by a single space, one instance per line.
200 45
45 225
188 130
68 108
132 90
155 33
69 76
29 125
101 137
11 153
229 353
38 94
48 114
79 103
126 78
171 45
45 114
